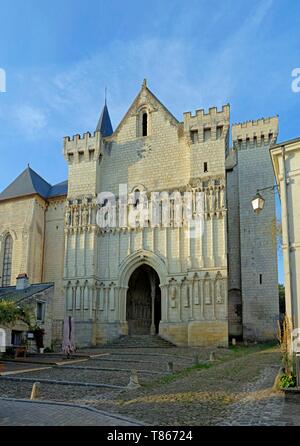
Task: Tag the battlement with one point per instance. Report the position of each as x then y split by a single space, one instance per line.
258 132
203 126
213 113
86 147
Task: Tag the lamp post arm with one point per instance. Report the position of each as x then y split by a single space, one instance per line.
275 187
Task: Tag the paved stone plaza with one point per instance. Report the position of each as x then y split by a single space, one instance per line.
234 389
22 413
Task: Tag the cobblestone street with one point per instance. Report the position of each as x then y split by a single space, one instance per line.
234 389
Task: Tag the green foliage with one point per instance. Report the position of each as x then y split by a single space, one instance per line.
284 336
10 313
177 375
241 349
287 381
281 298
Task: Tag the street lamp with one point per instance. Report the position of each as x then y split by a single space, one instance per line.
258 202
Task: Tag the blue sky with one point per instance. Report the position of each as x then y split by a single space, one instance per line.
59 55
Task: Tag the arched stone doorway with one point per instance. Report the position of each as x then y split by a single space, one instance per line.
143 306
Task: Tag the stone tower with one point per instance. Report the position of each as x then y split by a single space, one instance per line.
253 282
148 279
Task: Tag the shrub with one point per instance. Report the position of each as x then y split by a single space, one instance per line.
287 381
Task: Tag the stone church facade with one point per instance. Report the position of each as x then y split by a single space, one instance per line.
120 279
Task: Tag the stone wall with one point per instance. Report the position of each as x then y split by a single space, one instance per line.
23 219
192 271
54 246
259 275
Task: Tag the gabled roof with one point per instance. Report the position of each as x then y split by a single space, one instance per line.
11 293
104 123
30 183
146 91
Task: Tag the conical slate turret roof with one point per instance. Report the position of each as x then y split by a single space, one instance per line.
104 123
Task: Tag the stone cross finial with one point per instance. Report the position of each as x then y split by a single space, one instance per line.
144 83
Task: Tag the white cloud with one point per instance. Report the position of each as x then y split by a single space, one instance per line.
29 119
185 74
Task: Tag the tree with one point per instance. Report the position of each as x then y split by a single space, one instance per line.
10 313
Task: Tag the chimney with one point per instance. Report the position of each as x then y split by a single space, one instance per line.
22 282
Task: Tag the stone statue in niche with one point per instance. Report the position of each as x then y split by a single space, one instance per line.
222 193
90 210
165 211
75 217
173 296
212 201
185 294
68 217
196 289
207 292
84 216
189 262
219 291
207 200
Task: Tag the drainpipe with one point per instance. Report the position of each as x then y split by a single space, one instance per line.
286 235
153 289
44 242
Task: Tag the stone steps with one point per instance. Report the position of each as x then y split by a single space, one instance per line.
140 341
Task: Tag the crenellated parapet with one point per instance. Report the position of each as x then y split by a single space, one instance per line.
209 126
260 132
86 147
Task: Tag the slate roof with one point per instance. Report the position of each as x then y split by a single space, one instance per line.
58 190
10 292
29 183
104 123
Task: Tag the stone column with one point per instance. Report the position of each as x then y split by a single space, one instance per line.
92 301
153 287
212 258
164 303
201 290
122 304
224 248
191 296
74 300
66 253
